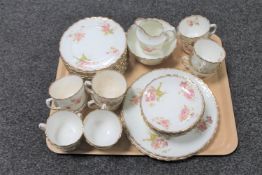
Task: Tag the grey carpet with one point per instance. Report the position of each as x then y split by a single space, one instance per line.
29 37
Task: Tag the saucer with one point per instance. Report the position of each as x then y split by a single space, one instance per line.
92 44
171 104
160 146
135 49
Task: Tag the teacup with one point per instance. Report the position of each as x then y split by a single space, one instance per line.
192 28
108 87
102 128
152 35
67 93
207 56
63 129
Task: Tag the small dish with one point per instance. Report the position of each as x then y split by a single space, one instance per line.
64 129
171 104
102 128
141 56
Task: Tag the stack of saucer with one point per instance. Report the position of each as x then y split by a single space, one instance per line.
94 44
170 114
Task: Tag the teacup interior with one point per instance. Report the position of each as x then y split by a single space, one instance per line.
109 84
152 27
209 50
194 26
66 87
64 128
102 128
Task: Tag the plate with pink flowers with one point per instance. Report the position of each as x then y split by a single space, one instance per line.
93 44
171 104
162 146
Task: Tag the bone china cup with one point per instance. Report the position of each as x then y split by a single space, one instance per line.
107 87
192 28
152 35
67 93
207 56
102 128
63 129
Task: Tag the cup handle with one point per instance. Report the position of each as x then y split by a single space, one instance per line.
92 105
49 102
42 126
79 115
213 28
104 106
88 85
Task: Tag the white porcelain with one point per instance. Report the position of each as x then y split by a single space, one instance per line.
67 93
107 87
147 59
102 128
172 104
64 129
168 147
152 35
93 44
207 56
192 28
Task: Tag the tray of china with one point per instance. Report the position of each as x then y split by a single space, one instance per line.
225 140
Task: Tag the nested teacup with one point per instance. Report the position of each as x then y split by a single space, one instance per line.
152 35
102 128
67 93
63 129
207 56
108 87
192 28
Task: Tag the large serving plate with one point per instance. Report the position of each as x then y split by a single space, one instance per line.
225 140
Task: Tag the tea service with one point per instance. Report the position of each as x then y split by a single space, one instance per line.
167 114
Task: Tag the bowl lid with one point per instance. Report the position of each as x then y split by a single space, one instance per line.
172 104
92 44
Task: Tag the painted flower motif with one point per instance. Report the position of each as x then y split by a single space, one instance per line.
204 123
154 94
77 36
135 99
147 49
113 51
185 113
162 121
192 22
83 61
157 142
187 90
76 101
107 29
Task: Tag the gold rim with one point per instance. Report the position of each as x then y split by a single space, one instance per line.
96 17
157 58
158 157
108 146
190 17
182 130
70 95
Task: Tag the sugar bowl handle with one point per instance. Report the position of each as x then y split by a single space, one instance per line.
49 102
88 86
42 126
213 28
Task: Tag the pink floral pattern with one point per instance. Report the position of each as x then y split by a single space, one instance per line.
135 99
185 113
113 51
107 29
187 90
157 142
162 121
83 61
154 94
147 49
204 123
77 36
76 101
193 21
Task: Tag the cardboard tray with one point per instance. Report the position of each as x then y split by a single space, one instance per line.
225 140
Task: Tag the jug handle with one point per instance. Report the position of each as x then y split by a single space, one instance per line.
170 35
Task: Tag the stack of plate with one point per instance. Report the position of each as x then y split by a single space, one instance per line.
94 44
170 114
